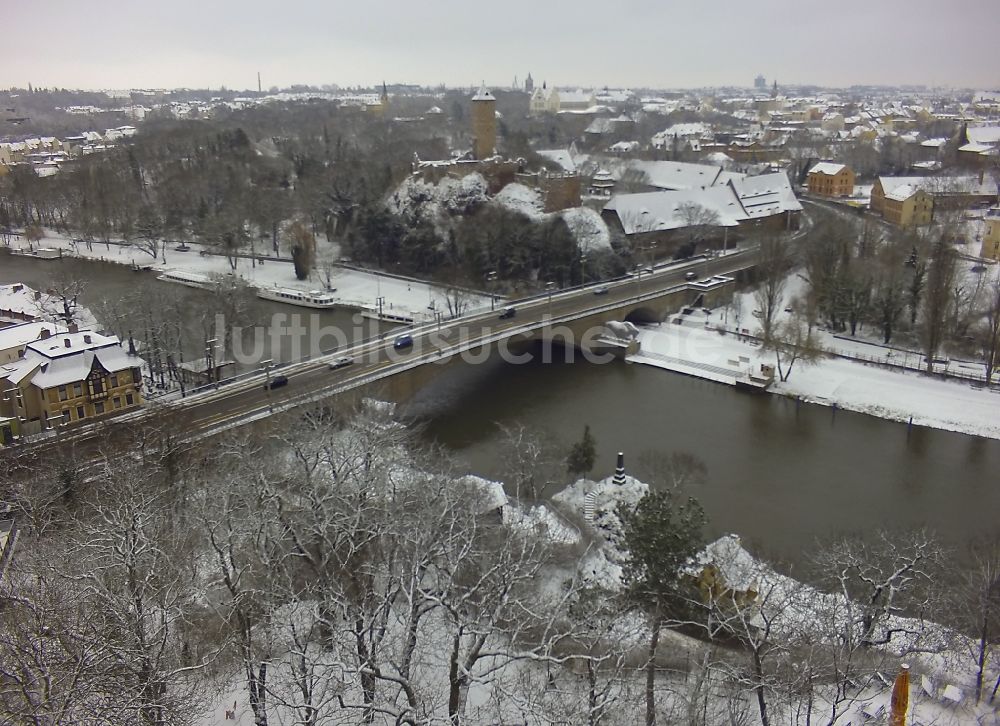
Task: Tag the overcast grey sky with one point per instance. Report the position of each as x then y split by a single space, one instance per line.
208 43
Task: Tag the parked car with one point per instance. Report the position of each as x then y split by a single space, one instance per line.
690 276
601 291
341 362
276 382
508 313
403 341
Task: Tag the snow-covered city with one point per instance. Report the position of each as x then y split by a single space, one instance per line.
354 374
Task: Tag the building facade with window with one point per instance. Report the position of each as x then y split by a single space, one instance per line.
830 180
70 377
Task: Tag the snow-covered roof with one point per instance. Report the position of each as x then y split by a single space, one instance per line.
902 193
827 168
662 211
576 97
942 184
483 95
16 336
21 300
561 157
983 134
69 357
765 195
686 130
673 175
739 199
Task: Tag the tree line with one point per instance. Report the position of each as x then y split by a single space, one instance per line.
332 569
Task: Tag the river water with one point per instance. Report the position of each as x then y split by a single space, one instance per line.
781 475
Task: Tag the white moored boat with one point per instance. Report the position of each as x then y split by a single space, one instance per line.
191 279
310 299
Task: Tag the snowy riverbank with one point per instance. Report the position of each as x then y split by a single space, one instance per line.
897 395
355 288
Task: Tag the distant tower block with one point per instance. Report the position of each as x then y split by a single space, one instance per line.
484 123
619 477
529 84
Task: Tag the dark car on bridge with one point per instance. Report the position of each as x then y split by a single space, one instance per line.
276 382
508 313
403 341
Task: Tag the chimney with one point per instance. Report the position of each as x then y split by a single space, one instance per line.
74 328
67 343
87 339
619 477
46 333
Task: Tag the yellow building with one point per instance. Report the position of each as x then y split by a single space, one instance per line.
70 377
831 180
991 240
908 206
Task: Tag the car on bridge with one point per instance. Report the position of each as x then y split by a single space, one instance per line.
690 276
508 313
403 341
276 382
341 362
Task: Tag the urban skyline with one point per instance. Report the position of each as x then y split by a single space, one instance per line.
192 45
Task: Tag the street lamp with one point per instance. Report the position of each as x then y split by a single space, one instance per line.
267 382
583 269
209 360
491 278
548 288
381 301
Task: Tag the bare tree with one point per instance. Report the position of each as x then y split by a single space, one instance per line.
774 264
793 340
988 333
941 275
137 564
530 465
699 222
62 297
888 300
976 610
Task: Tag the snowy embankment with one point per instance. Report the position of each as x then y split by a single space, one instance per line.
892 394
353 287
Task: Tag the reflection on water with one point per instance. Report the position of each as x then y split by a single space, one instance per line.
780 473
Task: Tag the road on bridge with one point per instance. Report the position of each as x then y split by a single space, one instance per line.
249 399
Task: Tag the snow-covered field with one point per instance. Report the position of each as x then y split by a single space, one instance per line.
353 287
